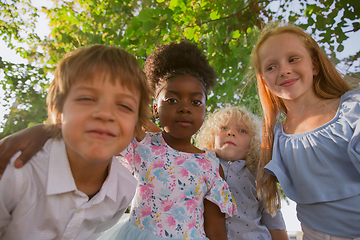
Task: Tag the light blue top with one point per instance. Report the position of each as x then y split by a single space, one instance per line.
320 170
251 222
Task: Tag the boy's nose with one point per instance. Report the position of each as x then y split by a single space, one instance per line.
103 112
231 133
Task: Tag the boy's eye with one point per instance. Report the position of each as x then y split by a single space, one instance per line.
85 99
270 68
197 102
124 106
293 59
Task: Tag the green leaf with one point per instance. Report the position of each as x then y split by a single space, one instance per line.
214 15
236 34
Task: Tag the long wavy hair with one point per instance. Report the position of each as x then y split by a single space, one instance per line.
328 84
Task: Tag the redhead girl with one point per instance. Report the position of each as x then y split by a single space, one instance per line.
314 152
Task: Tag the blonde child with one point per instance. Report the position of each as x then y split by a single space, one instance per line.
180 193
75 188
234 133
314 152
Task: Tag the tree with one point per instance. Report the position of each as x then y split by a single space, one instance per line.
225 30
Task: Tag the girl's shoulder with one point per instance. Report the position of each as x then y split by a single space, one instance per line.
347 114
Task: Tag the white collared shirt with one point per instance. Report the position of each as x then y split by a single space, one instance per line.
41 201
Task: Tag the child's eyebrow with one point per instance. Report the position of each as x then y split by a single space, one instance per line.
193 93
130 95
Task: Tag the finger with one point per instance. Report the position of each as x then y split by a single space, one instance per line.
24 157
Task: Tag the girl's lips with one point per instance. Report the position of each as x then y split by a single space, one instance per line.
184 123
289 82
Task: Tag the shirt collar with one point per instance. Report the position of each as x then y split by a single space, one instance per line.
60 178
237 165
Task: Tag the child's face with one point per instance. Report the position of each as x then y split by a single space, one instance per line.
181 106
98 120
287 67
232 141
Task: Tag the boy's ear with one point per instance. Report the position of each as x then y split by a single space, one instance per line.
316 66
59 121
155 111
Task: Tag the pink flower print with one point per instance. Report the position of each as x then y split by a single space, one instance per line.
184 173
166 205
179 160
191 204
137 159
158 149
145 211
146 191
205 163
159 164
171 221
192 223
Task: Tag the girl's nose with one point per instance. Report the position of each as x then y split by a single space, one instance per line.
285 70
184 108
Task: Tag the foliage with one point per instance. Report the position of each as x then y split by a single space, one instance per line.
225 30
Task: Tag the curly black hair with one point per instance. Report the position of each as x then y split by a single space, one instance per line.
178 59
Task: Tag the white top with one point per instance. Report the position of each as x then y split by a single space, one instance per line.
41 198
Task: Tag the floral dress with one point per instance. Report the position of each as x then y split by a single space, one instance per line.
172 186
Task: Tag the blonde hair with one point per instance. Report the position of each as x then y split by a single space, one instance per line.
87 63
220 117
328 84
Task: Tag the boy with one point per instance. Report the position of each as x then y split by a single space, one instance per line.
75 188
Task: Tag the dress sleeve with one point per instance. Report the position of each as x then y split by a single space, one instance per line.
354 147
128 156
221 195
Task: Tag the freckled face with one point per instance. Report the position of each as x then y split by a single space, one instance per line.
232 140
287 67
181 106
98 120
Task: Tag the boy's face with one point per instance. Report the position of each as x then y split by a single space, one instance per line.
232 140
98 120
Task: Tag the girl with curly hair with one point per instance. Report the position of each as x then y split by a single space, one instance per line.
180 192
234 133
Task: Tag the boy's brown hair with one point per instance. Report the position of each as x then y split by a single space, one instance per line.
102 62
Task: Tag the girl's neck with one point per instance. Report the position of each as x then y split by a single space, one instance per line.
307 114
182 145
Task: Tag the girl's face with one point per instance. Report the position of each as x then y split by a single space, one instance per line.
181 106
287 67
232 140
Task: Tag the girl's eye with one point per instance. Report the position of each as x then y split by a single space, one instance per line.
223 128
197 102
242 131
171 100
